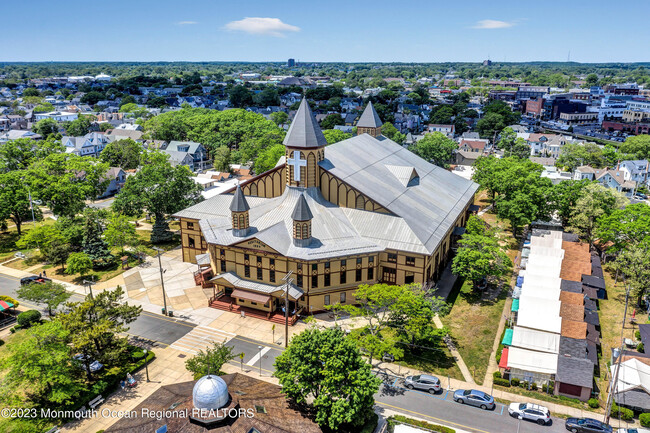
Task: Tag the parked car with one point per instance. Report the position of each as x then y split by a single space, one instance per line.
33 279
474 397
642 196
424 382
531 412
94 366
587 425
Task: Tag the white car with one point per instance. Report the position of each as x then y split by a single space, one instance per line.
531 412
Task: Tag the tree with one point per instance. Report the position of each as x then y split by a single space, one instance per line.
240 97
573 155
441 115
279 117
335 135
591 80
565 196
327 369
331 121
46 127
120 232
79 127
490 125
221 159
31 91
92 98
267 97
65 181
638 145
595 202
634 262
624 227
128 99
44 107
124 153
480 254
92 243
437 148
210 361
79 263
19 154
389 131
161 190
50 294
14 200
269 158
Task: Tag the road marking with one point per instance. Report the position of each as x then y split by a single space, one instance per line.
258 356
238 364
259 343
140 336
430 417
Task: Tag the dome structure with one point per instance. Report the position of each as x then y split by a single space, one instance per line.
210 392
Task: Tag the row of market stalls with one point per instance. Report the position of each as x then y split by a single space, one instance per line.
555 336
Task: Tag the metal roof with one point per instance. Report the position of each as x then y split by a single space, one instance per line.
239 203
369 118
575 371
301 212
235 280
304 130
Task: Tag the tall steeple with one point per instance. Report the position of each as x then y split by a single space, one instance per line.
304 145
239 213
302 217
369 122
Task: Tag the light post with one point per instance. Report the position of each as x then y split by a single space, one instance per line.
287 278
90 288
260 349
146 363
162 280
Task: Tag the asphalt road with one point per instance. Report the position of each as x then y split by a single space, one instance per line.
150 327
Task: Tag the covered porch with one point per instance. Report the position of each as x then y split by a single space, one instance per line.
250 298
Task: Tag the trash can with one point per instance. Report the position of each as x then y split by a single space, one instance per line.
171 313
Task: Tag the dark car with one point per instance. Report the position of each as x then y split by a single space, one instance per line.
587 425
33 279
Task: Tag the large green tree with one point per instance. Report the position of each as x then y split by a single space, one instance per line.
79 127
325 368
389 131
93 243
124 153
120 232
596 202
210 361
20 154
46 127
638 145
50 294
14 200
268 158
573 155
624 227
161 190
437 148
565 196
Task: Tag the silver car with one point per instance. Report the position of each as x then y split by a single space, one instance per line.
424 382
474 397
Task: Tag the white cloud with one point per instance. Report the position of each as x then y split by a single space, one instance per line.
492 24
262 26
186 23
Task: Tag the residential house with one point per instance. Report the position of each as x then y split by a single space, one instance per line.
548 145
180 158
607 177
448 130
15 134
634 170
632 388
90 144
116 177
59 116
472 145
198 153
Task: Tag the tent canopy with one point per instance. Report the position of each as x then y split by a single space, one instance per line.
529 360
535 340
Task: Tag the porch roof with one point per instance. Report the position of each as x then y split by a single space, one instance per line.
232 279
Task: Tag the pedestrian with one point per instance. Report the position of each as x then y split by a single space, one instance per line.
122 384
40 275
45 273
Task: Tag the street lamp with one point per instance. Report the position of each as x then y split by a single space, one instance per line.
90 288
162 280
146 363
260 349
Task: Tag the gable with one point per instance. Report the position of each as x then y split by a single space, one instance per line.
255 244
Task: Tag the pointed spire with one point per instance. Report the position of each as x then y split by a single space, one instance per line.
301 212
304 130
239 203
369 118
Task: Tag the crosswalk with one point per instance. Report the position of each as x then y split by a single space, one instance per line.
200 338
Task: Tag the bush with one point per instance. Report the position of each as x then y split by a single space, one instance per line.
137 355
2 342
644 419
637 335
9 299
28 318
496 375
533 386
502 382
371 424
593 403
399 419
639 348
622 413
514 381
524 384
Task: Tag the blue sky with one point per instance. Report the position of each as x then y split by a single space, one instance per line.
332 30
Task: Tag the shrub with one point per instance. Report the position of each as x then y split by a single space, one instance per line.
28 318
644 419
533 386
2 342
639 348
514 381
622 413
137 355
593 403
496 375
502 382
371 424
399 419
9 299
524 384
637 335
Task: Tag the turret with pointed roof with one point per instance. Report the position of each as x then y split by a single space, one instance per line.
239 213
304 148
302 217
369 123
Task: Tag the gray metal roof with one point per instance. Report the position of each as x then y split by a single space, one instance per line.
429 207
301 212
304 130
575 371
239 203
369 118
235 280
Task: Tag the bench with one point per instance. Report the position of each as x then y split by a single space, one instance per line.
53 430
96 402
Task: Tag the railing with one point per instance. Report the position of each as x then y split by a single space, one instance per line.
7 322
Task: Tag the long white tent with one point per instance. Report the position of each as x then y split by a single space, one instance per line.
530 360
539 313
535 340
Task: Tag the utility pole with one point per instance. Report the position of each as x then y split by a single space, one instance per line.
288 280
614 386
162 280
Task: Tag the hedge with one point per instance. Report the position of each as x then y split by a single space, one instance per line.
28 318
502 382
622 413
399 419
593 403
9 299
371 424
515 381
496 375
644 419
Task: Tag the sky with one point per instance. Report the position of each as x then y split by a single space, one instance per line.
325 31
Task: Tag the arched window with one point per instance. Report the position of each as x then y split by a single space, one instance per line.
235 222
254 189
361 203
305 231
242 223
